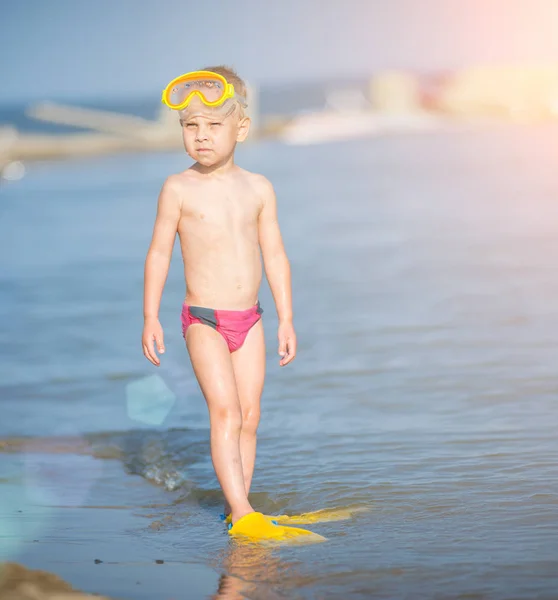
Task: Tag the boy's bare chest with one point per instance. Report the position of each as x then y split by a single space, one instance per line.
224 210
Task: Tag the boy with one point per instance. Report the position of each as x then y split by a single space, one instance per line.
223 215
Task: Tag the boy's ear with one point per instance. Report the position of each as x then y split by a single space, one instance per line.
243 129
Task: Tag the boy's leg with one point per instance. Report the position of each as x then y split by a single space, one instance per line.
249 370
213 368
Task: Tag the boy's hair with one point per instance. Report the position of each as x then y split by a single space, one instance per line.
231 76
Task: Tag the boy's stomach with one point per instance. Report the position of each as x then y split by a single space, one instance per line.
223 287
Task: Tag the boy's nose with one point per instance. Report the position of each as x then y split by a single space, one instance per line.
201 134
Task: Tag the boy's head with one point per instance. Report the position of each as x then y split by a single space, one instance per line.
211 134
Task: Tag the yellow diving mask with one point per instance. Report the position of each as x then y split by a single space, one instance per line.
202 89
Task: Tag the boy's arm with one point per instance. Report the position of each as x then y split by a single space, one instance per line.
277 270
157 265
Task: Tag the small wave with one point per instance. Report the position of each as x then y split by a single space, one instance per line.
160 457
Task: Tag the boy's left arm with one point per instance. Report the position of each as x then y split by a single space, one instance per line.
278 272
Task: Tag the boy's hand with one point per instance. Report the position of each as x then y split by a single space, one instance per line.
152 332
287 342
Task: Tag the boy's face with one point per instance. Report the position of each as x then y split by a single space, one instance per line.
210 138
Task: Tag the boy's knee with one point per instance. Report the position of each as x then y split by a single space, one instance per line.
250 421
227 417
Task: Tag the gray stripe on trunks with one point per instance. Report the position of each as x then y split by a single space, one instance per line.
205 315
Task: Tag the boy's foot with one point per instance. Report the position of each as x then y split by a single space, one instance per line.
228 519
256 526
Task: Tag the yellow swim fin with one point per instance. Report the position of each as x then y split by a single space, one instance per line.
256 527
325 515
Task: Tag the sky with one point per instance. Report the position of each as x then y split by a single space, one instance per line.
55 49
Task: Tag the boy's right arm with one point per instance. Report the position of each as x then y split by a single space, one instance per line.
157 266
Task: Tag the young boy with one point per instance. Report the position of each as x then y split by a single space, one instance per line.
224 216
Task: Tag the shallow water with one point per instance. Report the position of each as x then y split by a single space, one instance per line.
425 284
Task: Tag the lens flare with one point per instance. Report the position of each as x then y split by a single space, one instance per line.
149 400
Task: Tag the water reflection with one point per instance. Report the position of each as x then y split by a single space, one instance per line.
254 571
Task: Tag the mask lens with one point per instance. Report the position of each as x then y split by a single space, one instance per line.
211 89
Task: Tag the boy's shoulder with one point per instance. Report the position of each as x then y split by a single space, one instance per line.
177 180
258 181
179 184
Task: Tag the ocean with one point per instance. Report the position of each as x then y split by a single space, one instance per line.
423 393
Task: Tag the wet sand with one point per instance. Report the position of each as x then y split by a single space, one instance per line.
20 583
57 544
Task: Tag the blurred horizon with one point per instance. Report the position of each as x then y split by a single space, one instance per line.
109 50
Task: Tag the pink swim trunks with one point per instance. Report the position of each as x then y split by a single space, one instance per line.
233 325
